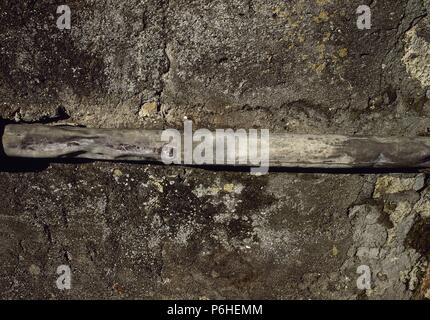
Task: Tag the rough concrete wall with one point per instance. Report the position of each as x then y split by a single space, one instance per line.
156 232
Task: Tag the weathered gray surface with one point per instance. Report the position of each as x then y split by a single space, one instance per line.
299 66
283 150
